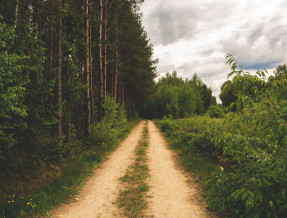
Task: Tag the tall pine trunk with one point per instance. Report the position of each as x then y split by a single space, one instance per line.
117 61
16 11
59 73
101 63
68 138
37 22
105 49
91 78
87 73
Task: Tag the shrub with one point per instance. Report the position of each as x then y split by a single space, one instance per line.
167 125
216 111
107 132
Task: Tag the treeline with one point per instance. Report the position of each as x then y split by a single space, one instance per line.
178 98
65 66
248 145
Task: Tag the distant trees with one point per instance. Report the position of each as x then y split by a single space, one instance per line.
178 98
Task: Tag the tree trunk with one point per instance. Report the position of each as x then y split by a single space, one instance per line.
105 49
101 63
91 79
123 94
16 11
59 74
116 75
68 139
51 53
117 59
38 13
87 73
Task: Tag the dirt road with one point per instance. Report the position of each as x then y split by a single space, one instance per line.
171 195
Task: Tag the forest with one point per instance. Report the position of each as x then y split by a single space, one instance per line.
65 67
72 73
77 76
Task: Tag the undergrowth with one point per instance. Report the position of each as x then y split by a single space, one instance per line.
59 188
243 171
132 197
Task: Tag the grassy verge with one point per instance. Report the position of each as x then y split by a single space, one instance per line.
200 162
132 197
57 189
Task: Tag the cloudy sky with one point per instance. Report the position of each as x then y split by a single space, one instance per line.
196 35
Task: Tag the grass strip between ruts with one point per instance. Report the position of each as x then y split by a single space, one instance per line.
132 198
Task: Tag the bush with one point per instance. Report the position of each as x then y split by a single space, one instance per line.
251 146
251 181
193 137
108 132
167 125
216 111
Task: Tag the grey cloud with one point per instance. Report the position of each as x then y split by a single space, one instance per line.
277 38
206 52
212 71
214 28
165 68
255 34
272 52
170 24
209 72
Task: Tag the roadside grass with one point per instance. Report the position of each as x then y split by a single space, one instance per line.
59 188
201 163
132 196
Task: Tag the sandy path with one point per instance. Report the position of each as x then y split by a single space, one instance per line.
172 195
97 199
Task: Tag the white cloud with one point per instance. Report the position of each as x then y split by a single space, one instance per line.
195 36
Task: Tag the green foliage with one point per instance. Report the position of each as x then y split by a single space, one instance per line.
186 99
135 63
177 98
12 89
55 190
58 188
228 95
107 132
250 146
193 137
167 125
216 111
44 115
256 145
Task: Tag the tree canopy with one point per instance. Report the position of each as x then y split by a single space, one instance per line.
178 98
